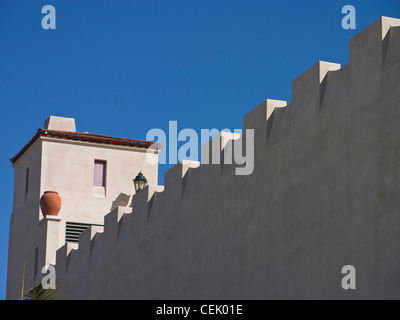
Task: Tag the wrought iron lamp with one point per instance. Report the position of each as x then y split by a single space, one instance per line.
140 182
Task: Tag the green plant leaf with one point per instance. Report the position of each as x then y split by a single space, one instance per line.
38 293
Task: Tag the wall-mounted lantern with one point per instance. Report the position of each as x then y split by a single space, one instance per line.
140 182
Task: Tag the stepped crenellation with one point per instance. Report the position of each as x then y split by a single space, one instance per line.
273 121
156 212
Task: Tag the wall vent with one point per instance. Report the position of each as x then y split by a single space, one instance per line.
74 229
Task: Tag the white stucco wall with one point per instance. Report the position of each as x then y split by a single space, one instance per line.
24 236
324 194
68 168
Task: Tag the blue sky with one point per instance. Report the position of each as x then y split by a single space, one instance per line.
124 67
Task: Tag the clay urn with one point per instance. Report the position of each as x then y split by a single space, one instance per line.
50 203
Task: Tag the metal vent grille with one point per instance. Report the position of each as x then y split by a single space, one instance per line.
73 230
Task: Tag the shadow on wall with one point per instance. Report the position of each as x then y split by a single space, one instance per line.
123 200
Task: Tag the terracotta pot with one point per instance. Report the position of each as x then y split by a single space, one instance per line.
50 203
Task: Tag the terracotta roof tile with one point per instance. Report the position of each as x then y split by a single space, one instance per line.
84 137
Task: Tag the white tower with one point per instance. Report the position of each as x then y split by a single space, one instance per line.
92 173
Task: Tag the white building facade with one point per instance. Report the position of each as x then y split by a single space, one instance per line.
324 194
93 174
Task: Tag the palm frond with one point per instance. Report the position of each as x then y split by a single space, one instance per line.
39 293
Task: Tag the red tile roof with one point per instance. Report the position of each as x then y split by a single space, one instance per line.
82 136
